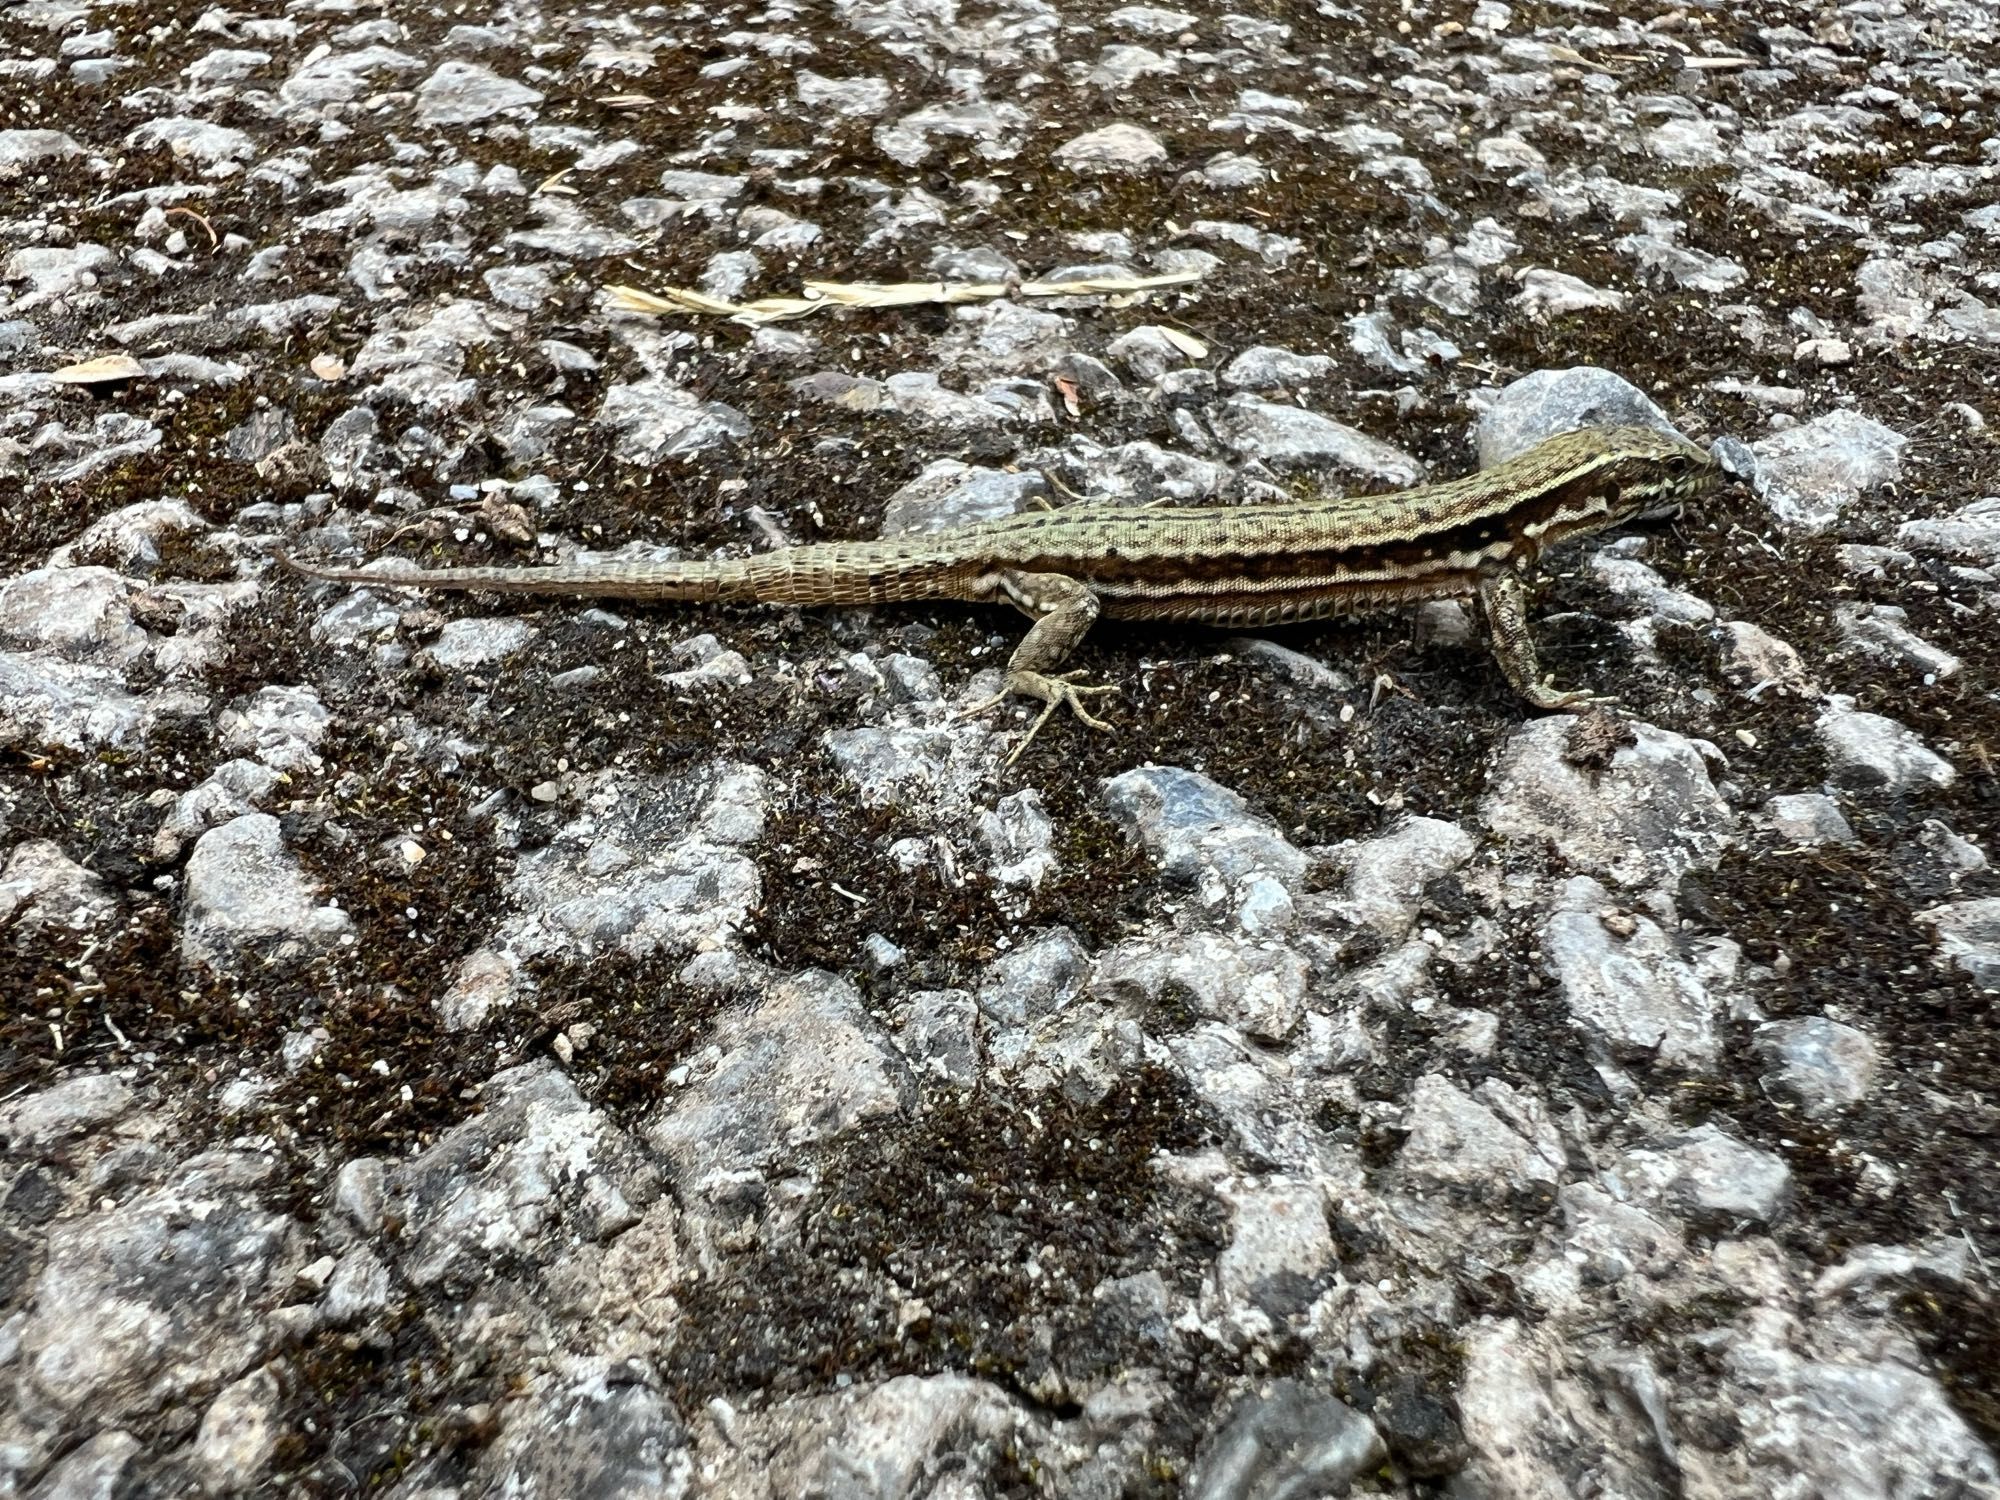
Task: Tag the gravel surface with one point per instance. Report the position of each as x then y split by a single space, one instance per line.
454 1047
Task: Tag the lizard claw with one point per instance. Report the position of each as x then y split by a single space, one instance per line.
1560 700
1055 692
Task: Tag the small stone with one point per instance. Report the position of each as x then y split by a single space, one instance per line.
842 96
207 143
463 93
1713 1178
1493 1143
1547 295
1114 148
64 1111
1387 876
1883 631
1803 819
1266 368
1824 354
804 1062
245 891
1151 20
1036 980
467 643
97 1469
1150 351
1820 1064
1285 1439
41 887
1759 661
1421 1431
1258 987
26 148
1290 437
1969 535
942 1035
1873 751
1547 402
1199 830
1654 812
1811 473
952 493
657 419
1631 988
1968 936
240 1431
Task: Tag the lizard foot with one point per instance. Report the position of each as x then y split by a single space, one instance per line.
1573 701
1054 691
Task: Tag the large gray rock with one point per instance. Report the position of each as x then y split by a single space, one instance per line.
1875 752
29 148
802 1064
1036 980
951 493
1821 1065
1285 1441
1710 1178
1650 815
1386 876
463 93
595 1427
1625 984
656 419
1548 402
1258 987
1971 534
73 1107
649 864
1290 437
536 1172
1811 473
40 886
1968 937
145 1301
1492 1143
1120 147
245 893
1193 825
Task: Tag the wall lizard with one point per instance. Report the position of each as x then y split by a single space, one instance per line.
1251 565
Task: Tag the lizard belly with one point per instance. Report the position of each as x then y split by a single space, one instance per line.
1303 599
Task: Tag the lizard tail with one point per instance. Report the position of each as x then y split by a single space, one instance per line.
638 581
821 573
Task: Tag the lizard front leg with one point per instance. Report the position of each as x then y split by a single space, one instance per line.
1063 610
1503 599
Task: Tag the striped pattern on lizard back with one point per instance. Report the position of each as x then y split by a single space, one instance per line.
1241 565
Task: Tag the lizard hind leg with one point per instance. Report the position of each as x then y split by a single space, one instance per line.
1503 600
1064 610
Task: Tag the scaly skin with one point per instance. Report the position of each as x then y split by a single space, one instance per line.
1477 537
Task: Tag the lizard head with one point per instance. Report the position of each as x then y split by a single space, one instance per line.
1648 475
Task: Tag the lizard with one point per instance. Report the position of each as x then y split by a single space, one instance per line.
1475 538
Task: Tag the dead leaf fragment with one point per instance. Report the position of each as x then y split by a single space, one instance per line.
818 296
1187 343
507 519
105 367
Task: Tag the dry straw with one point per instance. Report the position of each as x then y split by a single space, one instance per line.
818 296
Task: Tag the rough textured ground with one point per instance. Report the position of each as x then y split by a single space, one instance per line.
450 1049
